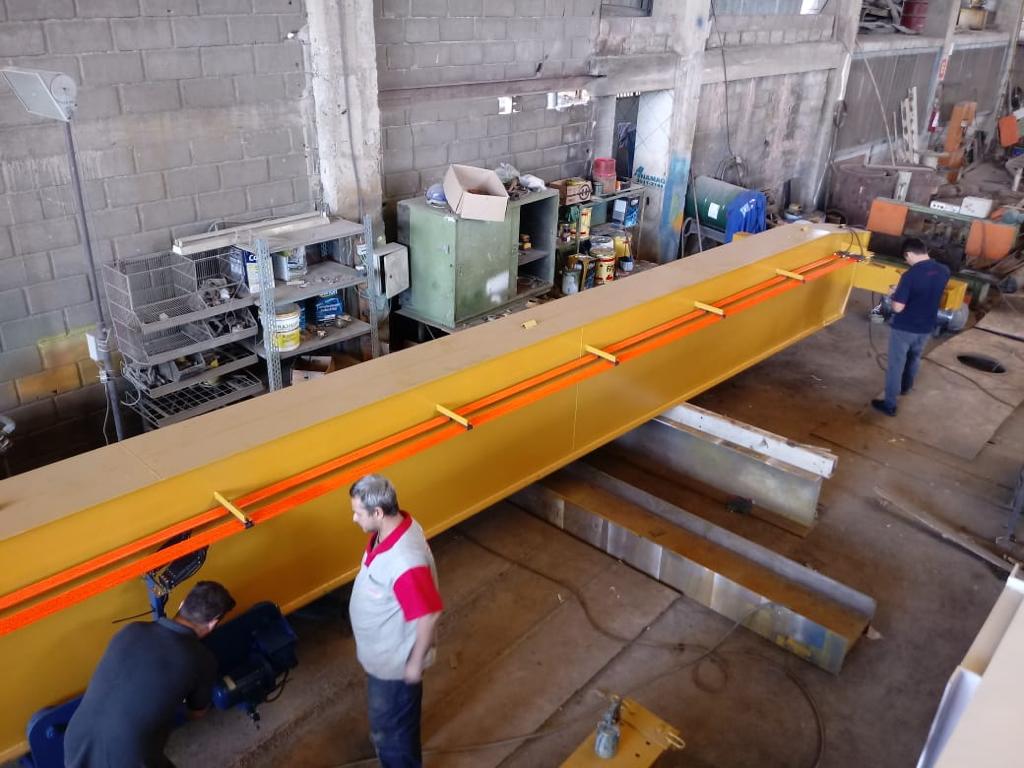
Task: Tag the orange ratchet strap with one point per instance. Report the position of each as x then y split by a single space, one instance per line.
214 524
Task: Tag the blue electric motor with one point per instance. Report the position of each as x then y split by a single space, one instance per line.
255 652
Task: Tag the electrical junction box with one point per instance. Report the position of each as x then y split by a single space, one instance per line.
392 264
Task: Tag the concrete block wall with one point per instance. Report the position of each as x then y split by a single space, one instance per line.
757 7
421 141
625 36
440 42
774 122
736 30
190 111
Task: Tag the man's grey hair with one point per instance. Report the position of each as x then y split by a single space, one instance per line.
375 491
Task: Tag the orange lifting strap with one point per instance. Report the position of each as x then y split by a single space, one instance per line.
377 455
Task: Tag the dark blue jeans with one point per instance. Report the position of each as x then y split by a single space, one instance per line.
905 350
395 721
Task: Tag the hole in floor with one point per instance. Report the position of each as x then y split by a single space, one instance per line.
982 363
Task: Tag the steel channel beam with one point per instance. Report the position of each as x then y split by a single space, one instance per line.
798 609
304 543
777 475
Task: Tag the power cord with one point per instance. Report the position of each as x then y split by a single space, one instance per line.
707 653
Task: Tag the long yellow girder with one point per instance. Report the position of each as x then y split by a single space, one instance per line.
66 513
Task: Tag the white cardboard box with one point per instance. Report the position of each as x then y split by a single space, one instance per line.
475 193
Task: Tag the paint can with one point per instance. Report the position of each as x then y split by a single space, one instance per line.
286 328
605 268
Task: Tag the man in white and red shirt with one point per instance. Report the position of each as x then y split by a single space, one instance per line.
394 610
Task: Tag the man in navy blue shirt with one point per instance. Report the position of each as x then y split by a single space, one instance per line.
915 306
148 671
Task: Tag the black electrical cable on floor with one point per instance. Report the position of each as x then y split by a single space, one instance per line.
708 653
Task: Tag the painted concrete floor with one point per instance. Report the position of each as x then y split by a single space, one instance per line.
517 654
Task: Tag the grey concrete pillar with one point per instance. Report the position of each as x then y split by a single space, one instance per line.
847 18
691 34
344 76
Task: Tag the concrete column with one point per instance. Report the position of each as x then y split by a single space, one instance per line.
847 17
691 34
941 22
344 75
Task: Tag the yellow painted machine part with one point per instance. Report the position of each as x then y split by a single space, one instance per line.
69 512
877 277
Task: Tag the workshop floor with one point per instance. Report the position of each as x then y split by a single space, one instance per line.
517 653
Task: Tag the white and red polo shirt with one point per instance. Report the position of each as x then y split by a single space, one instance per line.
396 585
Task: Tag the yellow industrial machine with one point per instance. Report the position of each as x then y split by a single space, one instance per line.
457 424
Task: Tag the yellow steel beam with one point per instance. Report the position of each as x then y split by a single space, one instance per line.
879 277
67 513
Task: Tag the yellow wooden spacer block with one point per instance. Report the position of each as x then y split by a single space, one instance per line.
454 416
233 510
602 354
709 308
790 275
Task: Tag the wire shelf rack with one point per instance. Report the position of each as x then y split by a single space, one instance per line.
199 367
196 399
159 293
163 346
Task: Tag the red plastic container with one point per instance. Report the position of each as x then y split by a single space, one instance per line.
604 166
604 174
915 13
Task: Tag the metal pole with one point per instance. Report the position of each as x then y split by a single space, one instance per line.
268 314
372 287
102 332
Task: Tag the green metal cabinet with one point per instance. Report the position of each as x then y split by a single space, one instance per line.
461 269
458 268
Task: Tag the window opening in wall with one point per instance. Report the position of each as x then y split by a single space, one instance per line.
509 104
813 6
627 109
561 100
626 7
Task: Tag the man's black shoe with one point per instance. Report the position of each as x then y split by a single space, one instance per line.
906 391
879 405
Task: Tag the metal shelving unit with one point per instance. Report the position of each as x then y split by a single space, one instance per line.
197 399
177 318
185 324
325 276
216 363
311 343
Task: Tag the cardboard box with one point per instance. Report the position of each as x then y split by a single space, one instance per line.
317 366
475 193
573 191
243 267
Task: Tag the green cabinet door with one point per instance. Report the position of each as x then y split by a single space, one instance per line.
485 266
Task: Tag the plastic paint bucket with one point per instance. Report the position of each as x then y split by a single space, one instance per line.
286 328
